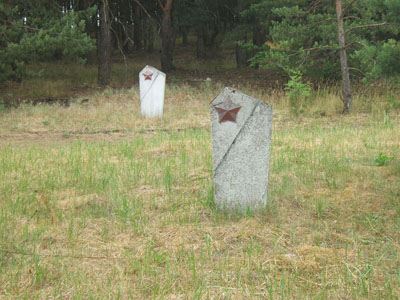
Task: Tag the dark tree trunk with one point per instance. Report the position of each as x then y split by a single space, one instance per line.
201 46
150 37
167 38
137 30
259 38
16 75
185 41
125 40
259 35
104 45
212 44
148 40
241 57
346 97
118 35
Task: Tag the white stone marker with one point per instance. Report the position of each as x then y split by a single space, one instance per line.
241 135
152 88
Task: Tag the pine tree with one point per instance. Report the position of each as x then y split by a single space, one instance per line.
41 31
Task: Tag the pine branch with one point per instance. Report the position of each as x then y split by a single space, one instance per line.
358 70
348 6
352 43
367 26
313 6
327 47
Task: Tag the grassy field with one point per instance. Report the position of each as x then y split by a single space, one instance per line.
98 203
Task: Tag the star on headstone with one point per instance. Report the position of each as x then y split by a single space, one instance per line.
147 75
227 111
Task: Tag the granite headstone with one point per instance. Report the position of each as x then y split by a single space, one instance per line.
152 89
241 129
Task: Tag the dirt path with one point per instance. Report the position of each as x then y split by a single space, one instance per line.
65 137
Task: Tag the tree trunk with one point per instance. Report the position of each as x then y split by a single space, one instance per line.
259 35
118 36
185 41
201 46
125 40
241 57
137 30
149 38
259 38
104 45
167 38
346 97
212 43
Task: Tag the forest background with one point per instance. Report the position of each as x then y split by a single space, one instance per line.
318 42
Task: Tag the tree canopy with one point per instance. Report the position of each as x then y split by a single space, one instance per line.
34 31
285 35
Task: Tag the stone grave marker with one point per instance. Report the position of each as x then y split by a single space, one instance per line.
241 136
152 88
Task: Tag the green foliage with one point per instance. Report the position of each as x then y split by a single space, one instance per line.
41 35
294 42
298 91
381 60
303 36
382 159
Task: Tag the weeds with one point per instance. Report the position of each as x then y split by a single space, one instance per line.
298 91
382 159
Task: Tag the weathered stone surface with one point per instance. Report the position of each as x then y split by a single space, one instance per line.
152 89
241 136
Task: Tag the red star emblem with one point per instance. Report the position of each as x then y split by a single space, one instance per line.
227 111
147 75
